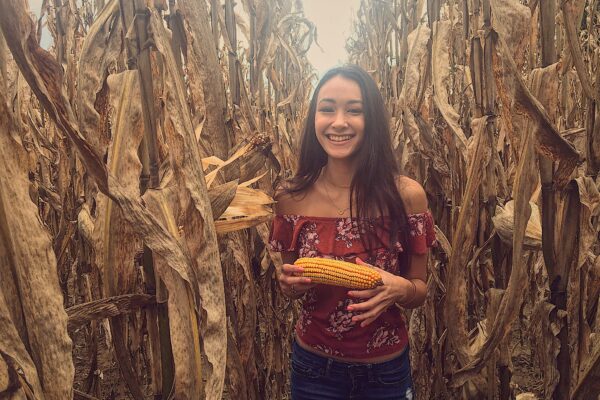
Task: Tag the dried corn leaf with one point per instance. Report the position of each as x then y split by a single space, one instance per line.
511 21
587 387
253 180
544 85
210 177
592 305
415 66
45 77
516 98
589 196
85 223
99 54
33 321
206 80
235 379
572 11
249 196
221 197
248 208
462 243
244 321
593 142
440 69
115 241
587 207
526 396
195 215
546 322
183 318
212 160
7 376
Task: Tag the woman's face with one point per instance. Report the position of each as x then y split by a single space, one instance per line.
339 117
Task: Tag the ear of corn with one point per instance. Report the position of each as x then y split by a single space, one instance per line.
339 273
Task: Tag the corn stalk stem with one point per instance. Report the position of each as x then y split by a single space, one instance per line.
234 85
566 260
135 20
60 42
558 296
178 38
252 44
145 69
214 22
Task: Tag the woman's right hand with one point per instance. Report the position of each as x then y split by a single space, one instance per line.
292 284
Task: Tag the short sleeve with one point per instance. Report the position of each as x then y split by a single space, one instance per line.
283 233
422 232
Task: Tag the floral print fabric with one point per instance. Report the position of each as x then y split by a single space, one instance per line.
324 322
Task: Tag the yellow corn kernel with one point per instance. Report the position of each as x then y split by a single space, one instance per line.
339 273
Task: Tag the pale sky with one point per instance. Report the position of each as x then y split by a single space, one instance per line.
333 20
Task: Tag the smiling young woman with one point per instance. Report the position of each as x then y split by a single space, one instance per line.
348 201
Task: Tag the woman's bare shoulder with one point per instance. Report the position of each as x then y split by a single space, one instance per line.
289 203
413 195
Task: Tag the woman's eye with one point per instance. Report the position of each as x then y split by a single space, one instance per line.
355 111
326 109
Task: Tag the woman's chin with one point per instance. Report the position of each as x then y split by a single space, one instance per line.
340 154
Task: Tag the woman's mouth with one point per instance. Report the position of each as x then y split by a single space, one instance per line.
339 138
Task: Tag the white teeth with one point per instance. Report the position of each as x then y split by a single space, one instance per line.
336 138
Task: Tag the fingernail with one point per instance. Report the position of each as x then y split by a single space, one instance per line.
349 308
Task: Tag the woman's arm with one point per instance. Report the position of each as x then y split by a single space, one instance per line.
408 291
415 202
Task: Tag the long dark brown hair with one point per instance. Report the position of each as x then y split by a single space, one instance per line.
373 185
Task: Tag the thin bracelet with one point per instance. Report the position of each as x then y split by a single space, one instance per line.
414 294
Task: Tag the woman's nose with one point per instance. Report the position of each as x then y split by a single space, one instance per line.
340 120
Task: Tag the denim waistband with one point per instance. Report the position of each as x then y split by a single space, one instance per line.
330 365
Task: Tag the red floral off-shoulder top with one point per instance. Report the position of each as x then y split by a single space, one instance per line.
324 322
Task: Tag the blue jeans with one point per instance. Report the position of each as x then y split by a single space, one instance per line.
321 378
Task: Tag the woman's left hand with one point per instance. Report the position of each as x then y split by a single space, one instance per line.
394 288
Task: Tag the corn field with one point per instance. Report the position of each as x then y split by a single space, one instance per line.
139 155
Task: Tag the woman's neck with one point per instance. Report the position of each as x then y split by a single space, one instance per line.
339 173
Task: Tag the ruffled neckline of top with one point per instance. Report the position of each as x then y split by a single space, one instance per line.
326 218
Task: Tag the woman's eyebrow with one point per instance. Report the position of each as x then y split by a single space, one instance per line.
329 100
